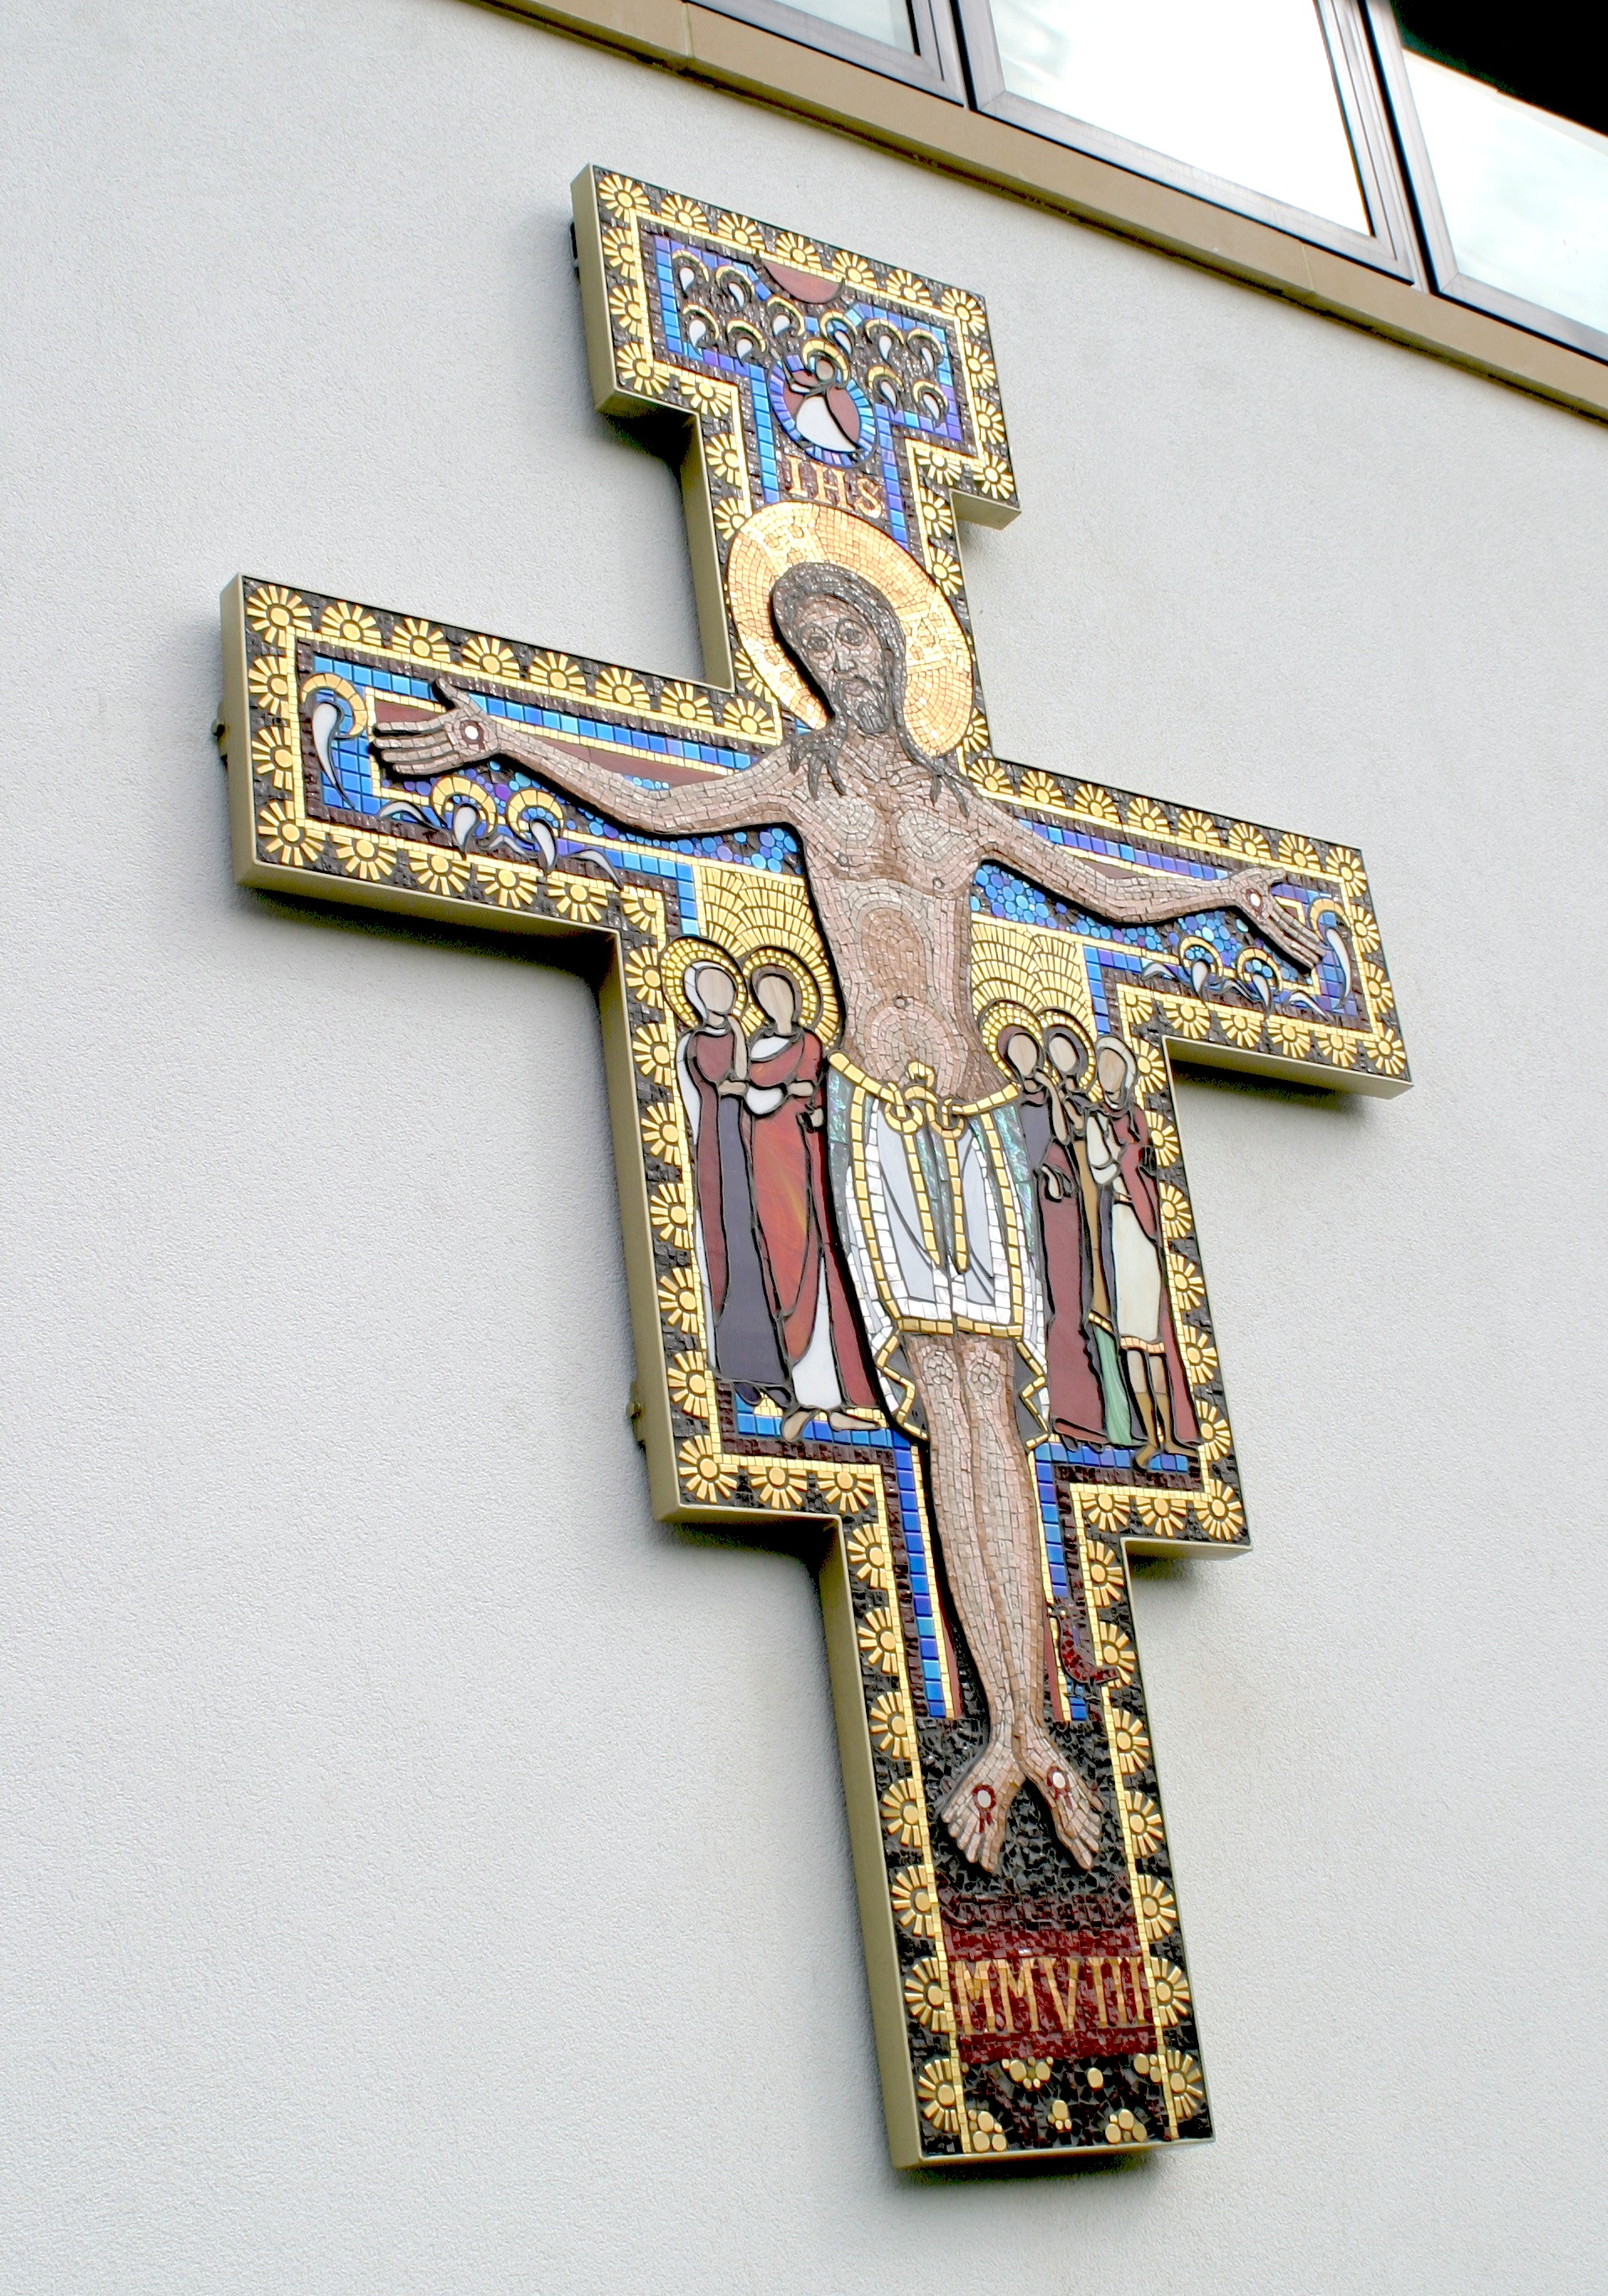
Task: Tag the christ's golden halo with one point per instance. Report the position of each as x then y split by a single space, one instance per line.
938 666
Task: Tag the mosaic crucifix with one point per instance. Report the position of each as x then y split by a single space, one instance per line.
889 1027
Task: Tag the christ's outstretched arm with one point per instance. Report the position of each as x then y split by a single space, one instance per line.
468 737
1135 898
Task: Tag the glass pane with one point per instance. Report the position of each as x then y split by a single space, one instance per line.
1525 194
1244 90
1549 57
887 20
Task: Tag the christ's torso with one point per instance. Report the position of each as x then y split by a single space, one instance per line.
892 870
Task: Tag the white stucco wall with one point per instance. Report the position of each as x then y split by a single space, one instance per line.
423 1872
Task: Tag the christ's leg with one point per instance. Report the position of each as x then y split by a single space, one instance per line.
987 1506
1009 1524
977 1808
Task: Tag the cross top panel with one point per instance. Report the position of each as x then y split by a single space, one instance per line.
806 376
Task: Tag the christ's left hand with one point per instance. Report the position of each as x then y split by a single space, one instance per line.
1251 891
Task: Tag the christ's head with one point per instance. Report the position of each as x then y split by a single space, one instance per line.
847 640
846 659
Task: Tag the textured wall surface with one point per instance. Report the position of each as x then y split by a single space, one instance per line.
423 1872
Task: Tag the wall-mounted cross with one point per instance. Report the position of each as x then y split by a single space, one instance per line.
908 1237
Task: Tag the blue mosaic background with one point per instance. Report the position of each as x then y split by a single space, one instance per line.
913 1526
353 783
999 892
762 1425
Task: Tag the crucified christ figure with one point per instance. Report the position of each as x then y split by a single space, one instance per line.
930 1184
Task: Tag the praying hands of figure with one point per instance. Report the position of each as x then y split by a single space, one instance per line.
1066 1118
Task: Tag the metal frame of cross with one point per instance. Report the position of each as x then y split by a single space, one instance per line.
1039 2011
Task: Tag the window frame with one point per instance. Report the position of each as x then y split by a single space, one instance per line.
1446 278
934 67
1391 246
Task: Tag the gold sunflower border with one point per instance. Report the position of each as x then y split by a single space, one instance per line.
278 617
1099 1518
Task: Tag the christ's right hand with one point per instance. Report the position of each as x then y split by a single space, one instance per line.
464 735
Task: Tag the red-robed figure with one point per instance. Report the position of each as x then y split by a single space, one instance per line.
712 1069
782 1116
1087 1401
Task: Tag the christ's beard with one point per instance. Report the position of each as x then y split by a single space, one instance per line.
869 707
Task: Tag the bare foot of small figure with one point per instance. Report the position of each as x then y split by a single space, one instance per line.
1072 1802
977 1808
793 1426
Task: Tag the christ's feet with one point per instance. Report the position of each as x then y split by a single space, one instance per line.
976 1809
1071 1800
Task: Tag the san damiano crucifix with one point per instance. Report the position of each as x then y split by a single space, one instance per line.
887 1023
